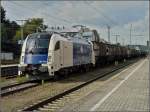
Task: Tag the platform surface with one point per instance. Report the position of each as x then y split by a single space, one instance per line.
125 91
10 65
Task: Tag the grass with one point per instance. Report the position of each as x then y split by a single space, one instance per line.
21 79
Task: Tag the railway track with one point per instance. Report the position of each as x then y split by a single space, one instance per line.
43 103
11 89
10 77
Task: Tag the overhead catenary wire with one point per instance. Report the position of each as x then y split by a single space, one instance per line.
33 13
58 10
54 18
47 14
109 20
104 16
116 35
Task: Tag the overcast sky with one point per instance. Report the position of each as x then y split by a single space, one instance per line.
93 14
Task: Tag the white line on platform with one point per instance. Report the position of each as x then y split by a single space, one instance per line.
121 72
114 89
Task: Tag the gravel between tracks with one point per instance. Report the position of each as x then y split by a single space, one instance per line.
25 98
6 82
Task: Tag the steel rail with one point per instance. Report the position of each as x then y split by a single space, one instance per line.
11 89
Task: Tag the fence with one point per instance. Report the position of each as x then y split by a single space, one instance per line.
6 56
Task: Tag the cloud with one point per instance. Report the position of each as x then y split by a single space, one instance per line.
95 14
139 27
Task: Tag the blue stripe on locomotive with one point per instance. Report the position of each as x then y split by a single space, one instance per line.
81 53
36 59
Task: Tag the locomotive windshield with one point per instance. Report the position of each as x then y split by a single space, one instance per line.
38 44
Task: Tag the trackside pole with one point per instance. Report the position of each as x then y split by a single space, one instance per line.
124 60
42 82
116 63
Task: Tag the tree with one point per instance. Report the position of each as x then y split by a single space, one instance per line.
30 26
8 30
3 31
8 27
2 15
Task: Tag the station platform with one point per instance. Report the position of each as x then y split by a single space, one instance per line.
10 65
127 90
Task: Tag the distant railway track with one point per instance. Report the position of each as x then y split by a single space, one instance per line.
11 89
42 104
9 71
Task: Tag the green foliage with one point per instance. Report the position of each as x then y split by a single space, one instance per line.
3 32
3 12
30 26
21 79
11 31
8 27
17 36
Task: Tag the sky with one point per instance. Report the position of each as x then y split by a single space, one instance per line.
119 15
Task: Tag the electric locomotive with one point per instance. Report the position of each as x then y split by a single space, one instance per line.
48 54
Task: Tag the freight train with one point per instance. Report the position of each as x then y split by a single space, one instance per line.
51 54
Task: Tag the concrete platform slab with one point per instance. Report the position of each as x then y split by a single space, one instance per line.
126 91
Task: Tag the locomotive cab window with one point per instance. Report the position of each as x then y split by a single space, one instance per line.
57 45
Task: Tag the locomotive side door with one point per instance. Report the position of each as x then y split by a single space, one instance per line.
66 54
